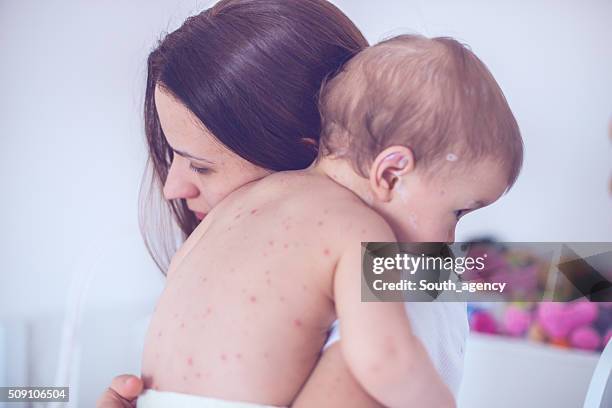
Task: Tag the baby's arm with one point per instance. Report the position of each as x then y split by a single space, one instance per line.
332 385
377 342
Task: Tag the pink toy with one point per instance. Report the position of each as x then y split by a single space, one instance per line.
483 322
585 338
558 320
516 321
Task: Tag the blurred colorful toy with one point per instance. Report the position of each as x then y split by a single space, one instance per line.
516 320
483 322
579 324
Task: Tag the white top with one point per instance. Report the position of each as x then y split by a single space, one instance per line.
443 329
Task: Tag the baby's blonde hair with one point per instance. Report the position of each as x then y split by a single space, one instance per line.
431 95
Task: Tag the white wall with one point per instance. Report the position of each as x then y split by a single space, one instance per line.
71 87
72 82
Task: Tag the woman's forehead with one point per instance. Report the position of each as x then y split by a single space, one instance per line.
182 129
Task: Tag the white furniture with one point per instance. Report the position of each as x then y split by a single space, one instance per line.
502 372
599 394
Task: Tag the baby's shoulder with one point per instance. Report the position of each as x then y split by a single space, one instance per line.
355 221
335 212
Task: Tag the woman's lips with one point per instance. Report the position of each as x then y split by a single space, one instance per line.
200 216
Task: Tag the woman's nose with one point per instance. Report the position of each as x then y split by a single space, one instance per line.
178 184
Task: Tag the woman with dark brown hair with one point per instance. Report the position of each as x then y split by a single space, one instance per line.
238 86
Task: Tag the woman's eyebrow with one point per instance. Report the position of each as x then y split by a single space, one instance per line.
190 156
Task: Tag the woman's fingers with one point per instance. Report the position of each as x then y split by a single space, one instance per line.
122 393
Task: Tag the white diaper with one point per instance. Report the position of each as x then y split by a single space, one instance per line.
159 399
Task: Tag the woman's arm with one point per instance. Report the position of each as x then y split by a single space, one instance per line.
331 385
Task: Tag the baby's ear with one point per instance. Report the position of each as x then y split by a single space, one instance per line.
388 166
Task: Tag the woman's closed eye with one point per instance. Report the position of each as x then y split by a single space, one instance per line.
199 170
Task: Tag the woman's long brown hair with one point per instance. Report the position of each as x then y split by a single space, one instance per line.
251 71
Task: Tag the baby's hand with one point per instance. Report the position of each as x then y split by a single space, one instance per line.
122 393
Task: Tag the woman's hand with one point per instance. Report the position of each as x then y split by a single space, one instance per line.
122 392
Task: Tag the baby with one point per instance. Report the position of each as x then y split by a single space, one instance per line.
416 133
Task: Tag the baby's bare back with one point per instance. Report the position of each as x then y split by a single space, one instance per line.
248 298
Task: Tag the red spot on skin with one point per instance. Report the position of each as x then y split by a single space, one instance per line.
190 361
204 279
268 281
271 243
325 211
176 315
253 299
159 334
184 378
320 223
282 298
265 254
363 231
198 375
237 216
442 192
326 251
208 310
223 357
267 272
304 287
229 228
286 246
254 210
182 325
266 355
287 227
238 356
297 323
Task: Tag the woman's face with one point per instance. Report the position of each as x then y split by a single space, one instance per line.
203 171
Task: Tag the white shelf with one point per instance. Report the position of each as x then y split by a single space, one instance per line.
504 372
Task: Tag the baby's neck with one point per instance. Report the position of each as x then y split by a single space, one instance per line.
341 172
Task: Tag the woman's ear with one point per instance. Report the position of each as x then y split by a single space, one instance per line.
388 166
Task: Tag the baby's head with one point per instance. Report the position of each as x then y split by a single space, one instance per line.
424 121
